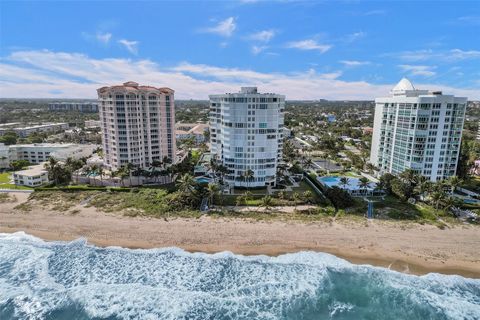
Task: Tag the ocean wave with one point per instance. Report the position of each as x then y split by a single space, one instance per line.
75 280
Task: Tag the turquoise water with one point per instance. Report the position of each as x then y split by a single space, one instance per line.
203 180
61 280
331 181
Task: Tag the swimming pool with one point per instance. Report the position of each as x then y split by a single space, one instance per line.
353 183
203 180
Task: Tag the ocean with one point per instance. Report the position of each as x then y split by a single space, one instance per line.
75 280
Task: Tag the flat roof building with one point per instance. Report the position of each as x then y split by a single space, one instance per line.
246 134
83 107
34 176
419 130
40 152
28 130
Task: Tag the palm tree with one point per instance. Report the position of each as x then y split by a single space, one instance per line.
423 186
454 182
295 197
409 176
129 169
212 191
248 176
437 197
53 169
308 163
186 183
344 181
363 183
267 202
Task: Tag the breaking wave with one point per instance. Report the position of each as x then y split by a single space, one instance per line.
74 280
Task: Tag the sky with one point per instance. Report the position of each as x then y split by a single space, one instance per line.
306 50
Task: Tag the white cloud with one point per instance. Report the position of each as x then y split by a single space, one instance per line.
262 36
374 13
309 44
104 37
354 63
425 71
457 54
355 36
47 74
469 20
131 46
428 54
224 28
258 49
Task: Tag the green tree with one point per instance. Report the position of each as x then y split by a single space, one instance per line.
308 196
186 183
213 192
386 181
249 176
339 197
363 184
344 182
267 202
454 182
17 165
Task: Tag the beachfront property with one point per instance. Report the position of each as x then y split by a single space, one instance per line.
137 124
34 176
92 124
246 134
352 186
195 131
24 131
40 152
83 107
419 130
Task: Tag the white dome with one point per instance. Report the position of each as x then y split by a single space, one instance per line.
403 86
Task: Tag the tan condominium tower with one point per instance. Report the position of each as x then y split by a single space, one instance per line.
137 124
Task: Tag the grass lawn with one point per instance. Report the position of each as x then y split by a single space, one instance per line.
5 177
13 186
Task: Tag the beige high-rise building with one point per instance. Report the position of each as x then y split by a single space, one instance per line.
138 124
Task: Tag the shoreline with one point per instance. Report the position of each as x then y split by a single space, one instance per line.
395 263
405 247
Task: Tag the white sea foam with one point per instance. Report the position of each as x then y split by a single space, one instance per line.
39 278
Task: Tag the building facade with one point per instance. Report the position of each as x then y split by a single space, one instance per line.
246 134
83 107
34 176
39 128
137 124
195 131
419 130
40 152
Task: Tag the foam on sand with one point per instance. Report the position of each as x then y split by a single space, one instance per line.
51 280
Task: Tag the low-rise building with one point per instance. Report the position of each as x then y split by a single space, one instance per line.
191 130
91 124
25 131
83 107
34 176
40 152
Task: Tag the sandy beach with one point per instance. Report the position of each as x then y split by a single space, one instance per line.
406 247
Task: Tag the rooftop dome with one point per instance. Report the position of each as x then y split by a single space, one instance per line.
403 85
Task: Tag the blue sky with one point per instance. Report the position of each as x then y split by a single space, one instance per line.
304 49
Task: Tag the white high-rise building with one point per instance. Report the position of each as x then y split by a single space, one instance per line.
138 124
417 129
246 134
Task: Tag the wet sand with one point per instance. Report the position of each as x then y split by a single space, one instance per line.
405 247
